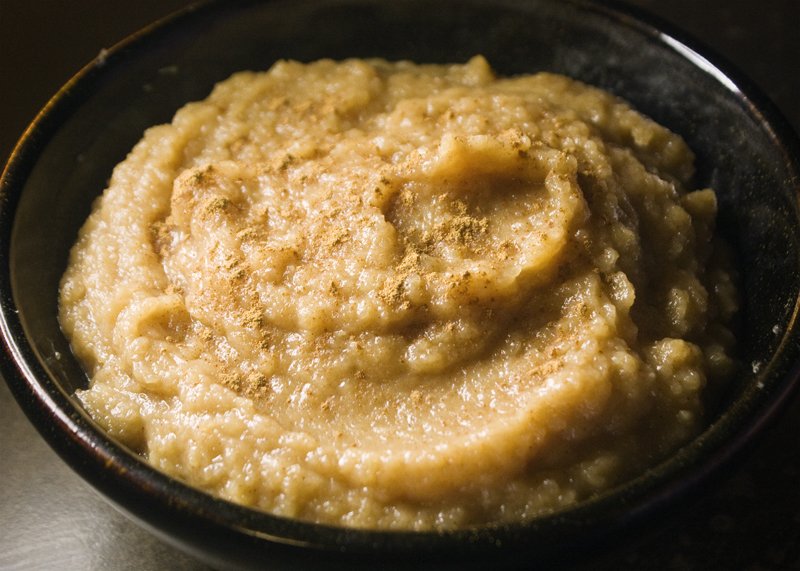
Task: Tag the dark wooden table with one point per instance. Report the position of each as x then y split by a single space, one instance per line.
50 519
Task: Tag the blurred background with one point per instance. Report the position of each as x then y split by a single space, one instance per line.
748 519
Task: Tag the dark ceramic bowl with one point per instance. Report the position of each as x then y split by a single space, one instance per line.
744 148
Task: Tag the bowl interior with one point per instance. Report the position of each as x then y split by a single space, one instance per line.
743 150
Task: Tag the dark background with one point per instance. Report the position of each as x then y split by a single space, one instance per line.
50 519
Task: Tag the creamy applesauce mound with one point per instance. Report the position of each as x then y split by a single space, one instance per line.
403 296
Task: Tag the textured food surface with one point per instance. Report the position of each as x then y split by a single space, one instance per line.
390 295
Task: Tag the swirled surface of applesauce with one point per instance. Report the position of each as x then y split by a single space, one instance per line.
399 296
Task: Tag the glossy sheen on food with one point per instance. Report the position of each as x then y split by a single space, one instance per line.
395 296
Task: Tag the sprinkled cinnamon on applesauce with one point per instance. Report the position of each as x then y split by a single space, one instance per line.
400 296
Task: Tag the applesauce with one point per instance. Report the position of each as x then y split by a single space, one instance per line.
399 296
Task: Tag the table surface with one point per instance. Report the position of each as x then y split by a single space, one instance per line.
50 519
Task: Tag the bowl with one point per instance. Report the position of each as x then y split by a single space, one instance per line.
745 150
